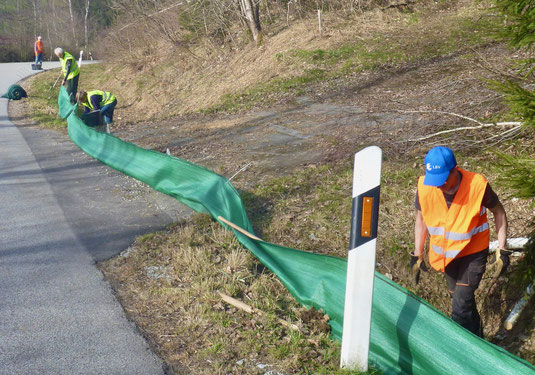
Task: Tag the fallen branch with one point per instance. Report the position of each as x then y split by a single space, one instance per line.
242 169
514 124
251 310
517 243
445 113
513 243
519 306
508 134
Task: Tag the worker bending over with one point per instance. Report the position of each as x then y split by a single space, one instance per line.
451 206
99 100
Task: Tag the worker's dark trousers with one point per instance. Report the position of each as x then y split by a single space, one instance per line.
463 276
72 86
107 112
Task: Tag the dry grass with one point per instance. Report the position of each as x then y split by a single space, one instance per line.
176 81
168 283
42 103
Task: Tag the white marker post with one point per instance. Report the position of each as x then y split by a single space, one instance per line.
361 259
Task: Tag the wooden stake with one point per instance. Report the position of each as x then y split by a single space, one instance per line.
239 229
245 307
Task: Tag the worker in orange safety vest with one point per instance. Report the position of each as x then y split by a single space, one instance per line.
39 50
451 207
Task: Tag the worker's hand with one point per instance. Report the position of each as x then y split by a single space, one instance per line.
500 260
63 83
417 264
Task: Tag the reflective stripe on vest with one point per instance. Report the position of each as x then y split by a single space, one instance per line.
74 66
448 254
466 236
459 230
435 231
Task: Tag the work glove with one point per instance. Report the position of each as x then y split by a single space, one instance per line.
500 260
417 264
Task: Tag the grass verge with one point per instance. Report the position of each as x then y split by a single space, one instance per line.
43 91
169 283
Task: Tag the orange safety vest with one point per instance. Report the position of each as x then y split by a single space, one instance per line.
459 230
39 47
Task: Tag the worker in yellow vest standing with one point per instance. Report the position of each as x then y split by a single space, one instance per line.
451 206
71 72
99 100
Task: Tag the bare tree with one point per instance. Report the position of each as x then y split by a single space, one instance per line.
250 11
51 19
86 15
34 18
72 23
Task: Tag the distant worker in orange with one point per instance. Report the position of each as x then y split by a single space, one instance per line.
452 206
39 49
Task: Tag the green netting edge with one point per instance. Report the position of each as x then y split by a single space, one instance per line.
408 336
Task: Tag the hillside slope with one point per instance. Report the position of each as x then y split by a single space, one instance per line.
288 116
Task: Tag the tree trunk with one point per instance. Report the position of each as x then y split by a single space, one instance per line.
250 11
54 28
86 37
34 19
72 23
49 42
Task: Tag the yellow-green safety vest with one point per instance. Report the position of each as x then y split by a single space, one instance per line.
107 98
74 66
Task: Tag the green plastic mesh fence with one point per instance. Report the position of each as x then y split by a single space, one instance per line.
408 336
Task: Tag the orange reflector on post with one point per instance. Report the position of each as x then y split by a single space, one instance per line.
367 213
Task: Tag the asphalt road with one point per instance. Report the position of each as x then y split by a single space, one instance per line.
61 212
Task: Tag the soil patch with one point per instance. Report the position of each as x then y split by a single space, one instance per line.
335 119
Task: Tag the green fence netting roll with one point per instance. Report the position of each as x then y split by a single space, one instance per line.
15 92
408 336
